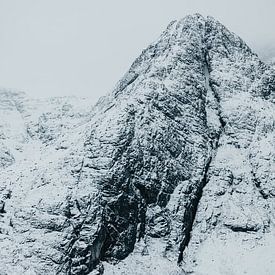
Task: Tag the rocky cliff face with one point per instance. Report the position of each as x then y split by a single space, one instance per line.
172 173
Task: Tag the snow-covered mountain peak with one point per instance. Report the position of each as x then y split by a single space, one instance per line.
162 176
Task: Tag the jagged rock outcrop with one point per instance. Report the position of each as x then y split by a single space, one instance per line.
163 176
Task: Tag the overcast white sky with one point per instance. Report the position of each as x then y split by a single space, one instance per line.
83 47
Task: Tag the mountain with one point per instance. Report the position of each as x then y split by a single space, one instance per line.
171 173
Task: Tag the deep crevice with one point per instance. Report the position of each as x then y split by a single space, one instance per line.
190 214
192 207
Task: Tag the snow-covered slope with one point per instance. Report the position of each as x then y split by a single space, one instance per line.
172 173
35 137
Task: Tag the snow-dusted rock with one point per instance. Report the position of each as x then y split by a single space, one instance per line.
171 173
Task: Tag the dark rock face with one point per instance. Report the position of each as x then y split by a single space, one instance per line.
181 150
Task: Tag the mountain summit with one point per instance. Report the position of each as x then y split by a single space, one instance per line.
171 173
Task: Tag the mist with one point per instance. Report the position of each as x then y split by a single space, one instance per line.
69 47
